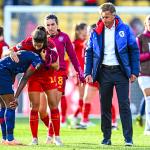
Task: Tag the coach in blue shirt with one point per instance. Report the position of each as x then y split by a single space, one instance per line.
112 59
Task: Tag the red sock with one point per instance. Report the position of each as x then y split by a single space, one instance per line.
46 120
50 129
63 108
86 111
79 109
34 119
55 117
113 114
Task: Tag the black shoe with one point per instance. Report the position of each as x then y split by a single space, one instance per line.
128 142
139 120
106 142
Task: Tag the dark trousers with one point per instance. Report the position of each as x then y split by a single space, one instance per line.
108 78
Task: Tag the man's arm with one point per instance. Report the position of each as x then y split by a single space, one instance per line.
89 58
134 54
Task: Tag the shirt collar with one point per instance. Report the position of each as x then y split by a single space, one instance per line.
113 26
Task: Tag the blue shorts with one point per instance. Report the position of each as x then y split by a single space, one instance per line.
6 82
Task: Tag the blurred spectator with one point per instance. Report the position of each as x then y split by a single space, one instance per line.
111 1
90 3
57 2
136 25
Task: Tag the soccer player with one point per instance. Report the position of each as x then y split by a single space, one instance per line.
3 45
42 81
87 91
63 44
29 62
144 78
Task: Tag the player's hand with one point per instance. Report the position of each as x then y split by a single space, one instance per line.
88 79
132 78
13 104
43 54
81 77
14 57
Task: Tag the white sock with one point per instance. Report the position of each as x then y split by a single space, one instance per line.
147 113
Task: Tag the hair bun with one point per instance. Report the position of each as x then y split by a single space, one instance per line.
41 28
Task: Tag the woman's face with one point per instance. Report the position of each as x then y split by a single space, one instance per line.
37 45
51 26
147 24
83 34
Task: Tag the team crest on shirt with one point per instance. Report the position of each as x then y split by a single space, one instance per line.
121 33
60 38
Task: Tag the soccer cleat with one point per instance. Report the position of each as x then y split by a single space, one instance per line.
13 142
114 128
34 141
87 124
49 140
80 126
63 125
58 141
73 121
139 120
128 143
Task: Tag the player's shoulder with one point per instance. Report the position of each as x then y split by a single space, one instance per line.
64 34
27 53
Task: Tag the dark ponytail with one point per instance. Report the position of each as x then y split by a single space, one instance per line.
40 35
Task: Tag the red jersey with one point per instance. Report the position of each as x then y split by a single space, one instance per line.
28 45
79 46
2 45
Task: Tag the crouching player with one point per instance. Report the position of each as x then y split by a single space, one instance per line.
28 64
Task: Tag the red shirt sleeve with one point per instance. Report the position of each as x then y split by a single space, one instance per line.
24 45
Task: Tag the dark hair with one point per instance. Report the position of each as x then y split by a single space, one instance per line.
52 16
79 27
1 31
108 7
40 35
93 26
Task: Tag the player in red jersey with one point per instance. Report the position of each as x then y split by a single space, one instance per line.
63 44
42 81
87 91
3 45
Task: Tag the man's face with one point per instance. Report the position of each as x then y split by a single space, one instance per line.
107 18
51 26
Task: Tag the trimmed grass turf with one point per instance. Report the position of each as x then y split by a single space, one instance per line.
74 139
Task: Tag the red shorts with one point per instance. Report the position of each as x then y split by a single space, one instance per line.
41 84
61 77
95 84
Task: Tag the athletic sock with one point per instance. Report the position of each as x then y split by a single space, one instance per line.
113 112
51 130
34 119
86 111
46 120
63 109
147 112
3 123
10 123
79 109
55 117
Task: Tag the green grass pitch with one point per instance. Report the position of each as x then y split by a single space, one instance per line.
75 139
